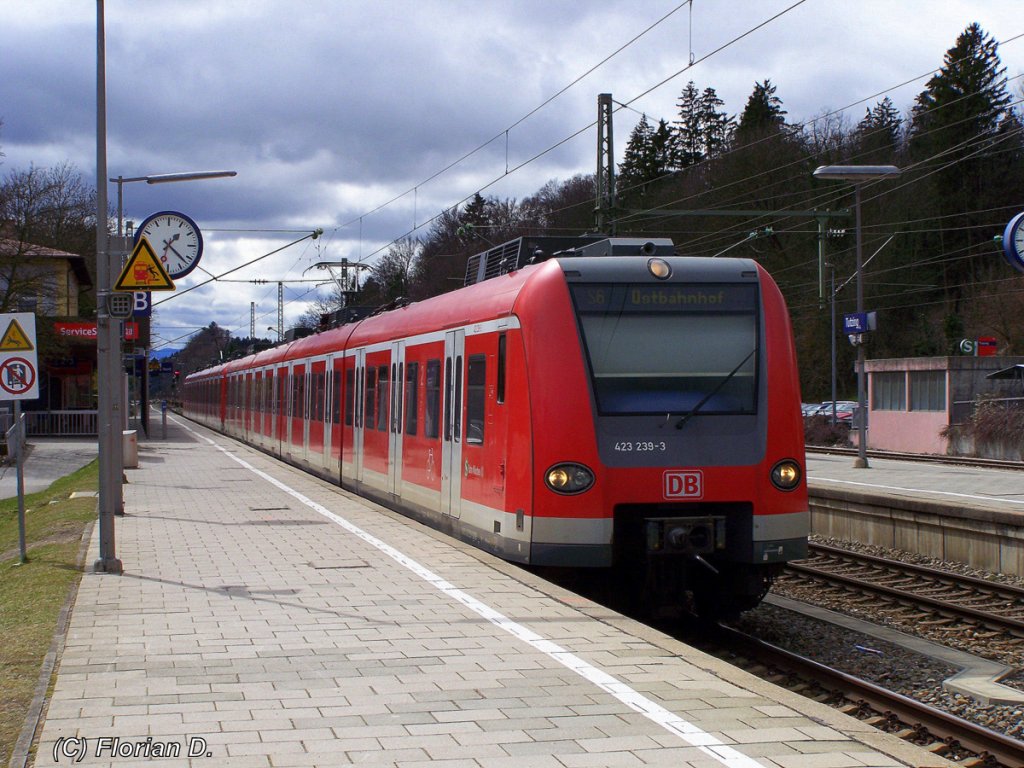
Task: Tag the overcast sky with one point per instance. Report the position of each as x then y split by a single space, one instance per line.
328 109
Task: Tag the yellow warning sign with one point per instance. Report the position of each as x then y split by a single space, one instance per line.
15 339
144 272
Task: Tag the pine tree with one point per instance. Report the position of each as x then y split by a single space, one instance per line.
956 136
688 130
716 126
702 131
878 134
762 116
638 160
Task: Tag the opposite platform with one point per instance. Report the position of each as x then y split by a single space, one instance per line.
267 618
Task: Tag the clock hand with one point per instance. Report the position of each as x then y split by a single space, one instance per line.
169 247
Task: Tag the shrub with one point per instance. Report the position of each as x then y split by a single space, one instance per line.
819 430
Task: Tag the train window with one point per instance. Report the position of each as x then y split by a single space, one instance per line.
448 400
350 386
336 396
669 349
382 398
432 410
476 398
371 397
457 410
396 405
501 368
412 371
320 393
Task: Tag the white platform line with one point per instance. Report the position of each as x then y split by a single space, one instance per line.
974 497
670 721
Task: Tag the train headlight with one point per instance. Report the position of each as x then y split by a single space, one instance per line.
569 478
786 475
659 268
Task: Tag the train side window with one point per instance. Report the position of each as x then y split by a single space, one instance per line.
360 383
371 398
476 397
447 399
382 398
457 427
316 395
502 343
397 390
412 371
336 397
432 411
350 394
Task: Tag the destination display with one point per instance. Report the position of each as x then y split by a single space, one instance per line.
645 297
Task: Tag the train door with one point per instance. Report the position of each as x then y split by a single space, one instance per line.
330 420
451 437
357 428
316 412
395 429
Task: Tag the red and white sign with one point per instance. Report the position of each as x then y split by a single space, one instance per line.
683 484
19 359
17 377
88 330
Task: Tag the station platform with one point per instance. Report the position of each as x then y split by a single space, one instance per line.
268 618
964 485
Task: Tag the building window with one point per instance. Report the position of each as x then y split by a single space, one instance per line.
927 390
889 391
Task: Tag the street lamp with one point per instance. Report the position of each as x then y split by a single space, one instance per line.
858 175
161 178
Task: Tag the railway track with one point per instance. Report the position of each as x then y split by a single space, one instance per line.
929 727
959 598
926 458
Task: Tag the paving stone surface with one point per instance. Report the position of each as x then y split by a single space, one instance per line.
249 629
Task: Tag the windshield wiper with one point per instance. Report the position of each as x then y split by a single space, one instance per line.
713 392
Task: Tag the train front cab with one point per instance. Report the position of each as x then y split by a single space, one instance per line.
667 434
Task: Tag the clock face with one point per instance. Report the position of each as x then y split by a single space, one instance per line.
175 239
1013 242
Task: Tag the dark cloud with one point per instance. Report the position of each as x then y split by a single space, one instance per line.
328 109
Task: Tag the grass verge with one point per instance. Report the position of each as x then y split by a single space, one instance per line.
32 594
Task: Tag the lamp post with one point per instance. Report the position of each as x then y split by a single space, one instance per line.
858 175
160 178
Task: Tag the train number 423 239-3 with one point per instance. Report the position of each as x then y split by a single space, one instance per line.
640 446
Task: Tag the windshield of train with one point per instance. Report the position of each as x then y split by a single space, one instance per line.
671 349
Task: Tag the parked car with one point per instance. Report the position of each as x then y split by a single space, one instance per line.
844 410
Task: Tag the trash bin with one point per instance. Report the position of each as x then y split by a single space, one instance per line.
130 448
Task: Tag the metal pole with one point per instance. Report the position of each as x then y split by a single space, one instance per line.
107 353
833 269
18 432
862 448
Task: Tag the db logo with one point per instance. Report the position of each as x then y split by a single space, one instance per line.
680 485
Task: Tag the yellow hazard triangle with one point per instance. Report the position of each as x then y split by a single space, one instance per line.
15 339
144 272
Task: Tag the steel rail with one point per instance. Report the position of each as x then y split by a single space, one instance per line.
1003 590
942 726
993 621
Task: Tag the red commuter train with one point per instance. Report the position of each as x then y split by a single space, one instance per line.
580 402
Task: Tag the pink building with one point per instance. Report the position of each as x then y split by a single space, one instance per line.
911 400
